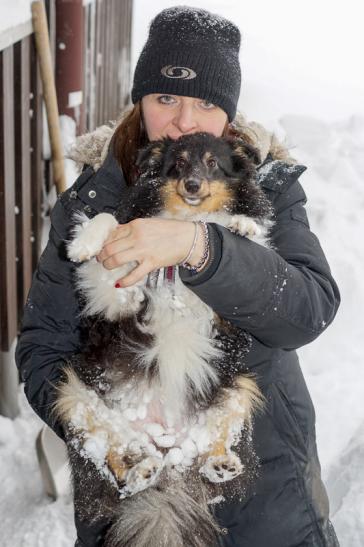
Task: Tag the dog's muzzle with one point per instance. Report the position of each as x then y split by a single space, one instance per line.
192 186
192 191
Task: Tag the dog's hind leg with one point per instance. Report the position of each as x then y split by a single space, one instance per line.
88 422
228 421
120 463
133 472
221 463
142 475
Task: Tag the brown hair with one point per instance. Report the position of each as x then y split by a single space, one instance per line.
130 135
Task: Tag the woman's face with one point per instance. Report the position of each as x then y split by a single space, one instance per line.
174 115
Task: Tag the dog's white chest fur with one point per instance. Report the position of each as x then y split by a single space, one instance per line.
149 415
180 324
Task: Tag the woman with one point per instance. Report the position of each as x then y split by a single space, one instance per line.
187 80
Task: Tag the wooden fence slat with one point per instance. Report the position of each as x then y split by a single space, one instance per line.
92 99
22 168
107 60
8 298
99 60
125 56
117 28
37 164
48 178
104 33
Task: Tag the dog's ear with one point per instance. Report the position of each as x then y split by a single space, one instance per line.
243 150
150 158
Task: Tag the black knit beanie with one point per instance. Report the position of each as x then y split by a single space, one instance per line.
191 52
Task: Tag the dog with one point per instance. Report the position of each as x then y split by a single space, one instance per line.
158 403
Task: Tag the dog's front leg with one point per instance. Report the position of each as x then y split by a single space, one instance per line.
96 282
244 226
90 236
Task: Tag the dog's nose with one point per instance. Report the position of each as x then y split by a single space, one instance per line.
192 186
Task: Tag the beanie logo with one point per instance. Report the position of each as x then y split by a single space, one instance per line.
180 72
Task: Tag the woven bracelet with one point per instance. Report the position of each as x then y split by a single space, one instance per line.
205 255
186 259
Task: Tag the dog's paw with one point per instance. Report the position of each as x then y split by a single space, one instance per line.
119 464
143 474
90 236
244 226
222 468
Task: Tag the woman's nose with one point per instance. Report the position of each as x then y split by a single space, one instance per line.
185 119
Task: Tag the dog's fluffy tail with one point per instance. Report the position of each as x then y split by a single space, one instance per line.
164 516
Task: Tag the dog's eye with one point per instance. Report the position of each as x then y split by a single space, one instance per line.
211 162
180 163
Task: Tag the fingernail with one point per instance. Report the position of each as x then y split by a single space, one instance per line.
117 286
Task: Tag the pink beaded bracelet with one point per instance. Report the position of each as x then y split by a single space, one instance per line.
184 263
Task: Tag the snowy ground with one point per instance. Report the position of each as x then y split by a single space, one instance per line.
335 189
28 517
332 364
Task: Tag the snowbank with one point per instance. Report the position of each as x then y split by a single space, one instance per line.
14 13
28 517
334 183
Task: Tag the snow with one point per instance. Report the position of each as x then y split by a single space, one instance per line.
14 13
333 364
17 12
28 517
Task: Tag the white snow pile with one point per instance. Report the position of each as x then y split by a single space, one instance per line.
28 517
17 12
334 184
14 12
335 189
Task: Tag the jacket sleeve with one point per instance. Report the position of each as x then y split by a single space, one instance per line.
284 296
50 322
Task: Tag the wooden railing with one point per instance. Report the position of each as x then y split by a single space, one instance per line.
25 177
107 68
21 180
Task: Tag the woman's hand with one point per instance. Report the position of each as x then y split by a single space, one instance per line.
152 242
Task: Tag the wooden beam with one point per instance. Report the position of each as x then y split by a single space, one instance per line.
9 319
37 164
22 168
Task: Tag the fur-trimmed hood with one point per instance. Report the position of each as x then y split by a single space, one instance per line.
91 148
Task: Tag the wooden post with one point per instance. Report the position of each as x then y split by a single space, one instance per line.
23 197
8 293
36 162
49 92
70 59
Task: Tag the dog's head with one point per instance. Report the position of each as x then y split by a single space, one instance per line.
199 171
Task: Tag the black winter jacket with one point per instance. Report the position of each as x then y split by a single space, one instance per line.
284 297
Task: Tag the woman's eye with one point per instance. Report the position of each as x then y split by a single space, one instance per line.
211 162
165 99
207 105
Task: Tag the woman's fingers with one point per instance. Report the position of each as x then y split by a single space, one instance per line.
155 242
120 258
118 241
134 276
